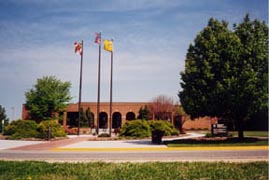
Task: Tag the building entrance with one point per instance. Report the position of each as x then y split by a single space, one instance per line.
116 120
103 120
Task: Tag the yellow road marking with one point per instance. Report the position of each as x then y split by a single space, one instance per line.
209 148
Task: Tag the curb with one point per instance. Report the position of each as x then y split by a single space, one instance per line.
214 148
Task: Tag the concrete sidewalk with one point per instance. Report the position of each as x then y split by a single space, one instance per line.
144 143
48 145
7 144
114 144
84 142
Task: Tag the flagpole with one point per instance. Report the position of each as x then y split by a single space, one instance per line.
80 87
111 80
98 91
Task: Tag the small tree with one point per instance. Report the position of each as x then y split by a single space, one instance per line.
47 98
3 118
144 113
161 107
87 118
182 117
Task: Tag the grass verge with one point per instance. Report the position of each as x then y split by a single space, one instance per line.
251 133
31 170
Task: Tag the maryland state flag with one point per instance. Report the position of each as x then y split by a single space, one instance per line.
108 45
78 48
97 38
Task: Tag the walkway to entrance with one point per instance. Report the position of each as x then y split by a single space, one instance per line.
84 141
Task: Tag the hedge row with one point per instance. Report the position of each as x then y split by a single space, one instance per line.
144 128
30 129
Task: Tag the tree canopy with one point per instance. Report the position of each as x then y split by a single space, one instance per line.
47 98
226 72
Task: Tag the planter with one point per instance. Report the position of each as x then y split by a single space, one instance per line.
156 136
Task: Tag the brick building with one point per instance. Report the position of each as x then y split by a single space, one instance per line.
122 112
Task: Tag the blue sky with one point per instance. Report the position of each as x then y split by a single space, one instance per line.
151 38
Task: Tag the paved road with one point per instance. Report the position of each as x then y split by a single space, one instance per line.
80 149
137 156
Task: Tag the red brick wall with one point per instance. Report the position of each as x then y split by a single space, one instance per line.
124 107
199 123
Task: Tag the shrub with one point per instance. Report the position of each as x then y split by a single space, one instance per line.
22 129
209 135
165 126
104 135
136 128
56 129
71 131
182 131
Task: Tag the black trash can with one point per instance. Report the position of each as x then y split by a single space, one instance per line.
156 136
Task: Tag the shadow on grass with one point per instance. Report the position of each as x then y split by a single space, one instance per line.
248 141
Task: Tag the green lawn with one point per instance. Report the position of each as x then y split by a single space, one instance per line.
29 170
251 133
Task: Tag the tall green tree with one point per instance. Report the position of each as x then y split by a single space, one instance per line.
47 98
3 118
225 74
254 68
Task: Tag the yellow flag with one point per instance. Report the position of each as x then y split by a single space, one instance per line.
108 45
